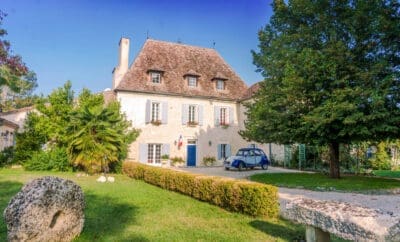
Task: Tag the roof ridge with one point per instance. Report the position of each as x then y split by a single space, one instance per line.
182 44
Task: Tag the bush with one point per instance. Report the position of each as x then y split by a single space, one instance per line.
209 160
52 160
6 156
239 196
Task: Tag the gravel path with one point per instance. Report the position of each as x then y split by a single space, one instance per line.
388 204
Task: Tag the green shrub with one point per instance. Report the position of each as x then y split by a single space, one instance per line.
209 160
52 160
251 198
6 156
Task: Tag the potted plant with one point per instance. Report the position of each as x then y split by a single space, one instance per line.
192 123
209 160
165 160
224 125
156 122
177 161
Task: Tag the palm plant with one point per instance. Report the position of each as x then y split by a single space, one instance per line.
98 136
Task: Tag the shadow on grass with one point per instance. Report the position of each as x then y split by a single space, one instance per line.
286 230
106 219
7 191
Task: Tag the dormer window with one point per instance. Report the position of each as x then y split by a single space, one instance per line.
220 84
155 77
192 81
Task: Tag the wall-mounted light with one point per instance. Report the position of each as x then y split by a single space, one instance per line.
209 143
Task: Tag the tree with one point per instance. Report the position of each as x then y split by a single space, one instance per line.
14 74
331 73
100 134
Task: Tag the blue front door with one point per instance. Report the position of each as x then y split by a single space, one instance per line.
191 155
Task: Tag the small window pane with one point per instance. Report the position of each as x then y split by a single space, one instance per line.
220 85
222 116
192 81
155 112
155 77
192 113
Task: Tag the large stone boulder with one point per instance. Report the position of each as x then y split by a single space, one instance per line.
46 209
344 220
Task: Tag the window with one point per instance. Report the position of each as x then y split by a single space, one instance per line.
154 153
192 81
155 112
220 84
224 151
192 114
222 116
155 77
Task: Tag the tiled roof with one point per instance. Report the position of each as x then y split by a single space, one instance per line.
108 96
175 62
253 89
8 123
20 110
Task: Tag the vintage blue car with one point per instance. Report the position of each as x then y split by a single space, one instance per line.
247 158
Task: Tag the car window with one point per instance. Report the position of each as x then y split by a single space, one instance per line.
257 152
251 152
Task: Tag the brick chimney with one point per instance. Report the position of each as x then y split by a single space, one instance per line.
122 67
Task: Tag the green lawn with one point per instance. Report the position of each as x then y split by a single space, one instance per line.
130 210
392 174
316 181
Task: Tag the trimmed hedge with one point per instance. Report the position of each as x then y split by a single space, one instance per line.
251 198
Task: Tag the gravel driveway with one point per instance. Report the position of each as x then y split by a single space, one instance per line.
388 204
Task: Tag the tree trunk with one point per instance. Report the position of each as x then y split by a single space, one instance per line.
334 160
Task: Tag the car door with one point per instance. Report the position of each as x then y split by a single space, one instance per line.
246 157
258 156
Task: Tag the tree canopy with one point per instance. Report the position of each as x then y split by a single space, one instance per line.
331 73
95 134
14 73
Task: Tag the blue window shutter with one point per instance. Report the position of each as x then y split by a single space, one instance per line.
219 147
230 116
165 149
216 115
200 114
143 153
228 150
185 114
164 115
148 111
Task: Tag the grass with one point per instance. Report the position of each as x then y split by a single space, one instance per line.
130 210
317 181
391 174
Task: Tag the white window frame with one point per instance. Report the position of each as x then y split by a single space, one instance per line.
192 81
223 116
154 153
155 112
155 77
193 114
220 84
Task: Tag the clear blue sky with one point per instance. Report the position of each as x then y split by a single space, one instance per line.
77 40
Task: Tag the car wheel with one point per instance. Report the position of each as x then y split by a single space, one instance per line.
264 166
227 168
241 166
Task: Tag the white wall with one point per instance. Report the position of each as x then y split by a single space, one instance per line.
134 106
